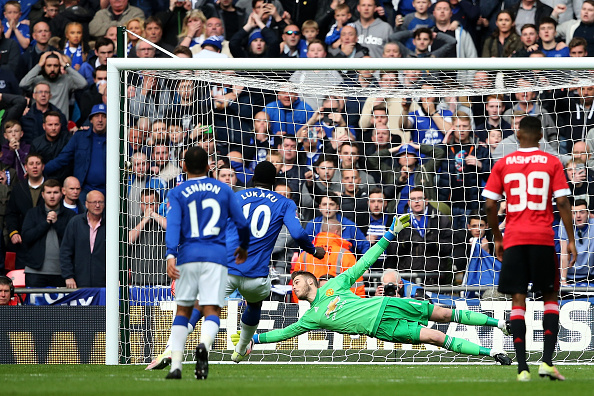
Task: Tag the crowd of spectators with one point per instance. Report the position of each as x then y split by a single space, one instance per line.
349 162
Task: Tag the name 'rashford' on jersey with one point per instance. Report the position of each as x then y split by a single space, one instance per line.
266 212
530 179
199 210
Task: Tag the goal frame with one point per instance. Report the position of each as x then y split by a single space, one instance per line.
115 172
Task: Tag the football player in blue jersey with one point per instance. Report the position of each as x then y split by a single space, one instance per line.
266 212
199 210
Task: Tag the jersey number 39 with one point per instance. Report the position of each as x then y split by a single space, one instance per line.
526 185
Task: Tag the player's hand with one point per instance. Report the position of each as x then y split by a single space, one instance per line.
573 251
400 223
172 270
319 253
235 337
499 250
240 255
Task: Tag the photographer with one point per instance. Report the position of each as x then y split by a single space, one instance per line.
391 286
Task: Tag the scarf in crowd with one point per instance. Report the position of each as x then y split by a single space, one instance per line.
419 225
74 54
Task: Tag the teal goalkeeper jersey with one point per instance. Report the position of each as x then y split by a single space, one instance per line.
336 308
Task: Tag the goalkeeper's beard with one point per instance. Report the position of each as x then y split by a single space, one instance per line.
304 294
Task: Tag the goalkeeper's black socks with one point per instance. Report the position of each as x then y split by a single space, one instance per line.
550 326
518 327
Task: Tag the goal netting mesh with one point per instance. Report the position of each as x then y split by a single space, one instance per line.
398 129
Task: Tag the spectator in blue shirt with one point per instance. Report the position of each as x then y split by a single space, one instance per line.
547 30
428 124
13 29
288 113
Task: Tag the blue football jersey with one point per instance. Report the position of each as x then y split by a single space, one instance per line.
266 212
199 210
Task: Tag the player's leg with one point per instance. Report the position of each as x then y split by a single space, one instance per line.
545 274
460 345
514 279
466 317
212 283
187 290
179 335
254 290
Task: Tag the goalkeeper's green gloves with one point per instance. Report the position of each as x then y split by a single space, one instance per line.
398 225
235 338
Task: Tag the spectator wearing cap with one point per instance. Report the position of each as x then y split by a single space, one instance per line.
415 166
214 27
32 121
86 151
211 48
262 42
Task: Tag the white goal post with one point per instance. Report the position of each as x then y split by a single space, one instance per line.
117 122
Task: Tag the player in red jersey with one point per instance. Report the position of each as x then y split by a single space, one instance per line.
530 179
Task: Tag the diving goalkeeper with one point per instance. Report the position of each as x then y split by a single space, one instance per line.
335 308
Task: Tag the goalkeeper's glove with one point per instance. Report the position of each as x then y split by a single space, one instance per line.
235 338
398 225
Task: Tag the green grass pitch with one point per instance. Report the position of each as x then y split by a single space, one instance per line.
296 379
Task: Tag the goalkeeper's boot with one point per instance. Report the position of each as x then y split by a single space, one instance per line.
161 361
501 358
550 371
238 357
175 374
201 371
506 328
524 376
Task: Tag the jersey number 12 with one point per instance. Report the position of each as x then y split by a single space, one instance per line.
210 228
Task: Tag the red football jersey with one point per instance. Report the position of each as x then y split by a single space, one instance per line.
530 179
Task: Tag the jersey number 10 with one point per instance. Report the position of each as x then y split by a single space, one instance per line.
260 209
526 185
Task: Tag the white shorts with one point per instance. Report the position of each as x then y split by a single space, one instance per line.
252 289
208 279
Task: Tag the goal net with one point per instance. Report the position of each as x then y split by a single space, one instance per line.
351 141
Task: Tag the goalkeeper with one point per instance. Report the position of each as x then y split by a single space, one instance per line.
335 308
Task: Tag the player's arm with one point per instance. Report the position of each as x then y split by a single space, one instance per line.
564 261
298 233
564 208
290 331
172 233
371 256
243 231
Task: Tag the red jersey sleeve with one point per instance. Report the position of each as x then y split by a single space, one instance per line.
494 187
560 187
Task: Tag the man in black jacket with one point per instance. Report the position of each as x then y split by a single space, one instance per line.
43 229
425 247
24 196
52 142
83 265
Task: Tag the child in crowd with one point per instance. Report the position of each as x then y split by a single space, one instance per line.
420 18
342 16
51 8
13 29
193 29
135 25
309 32
13 150
177 141
74 47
